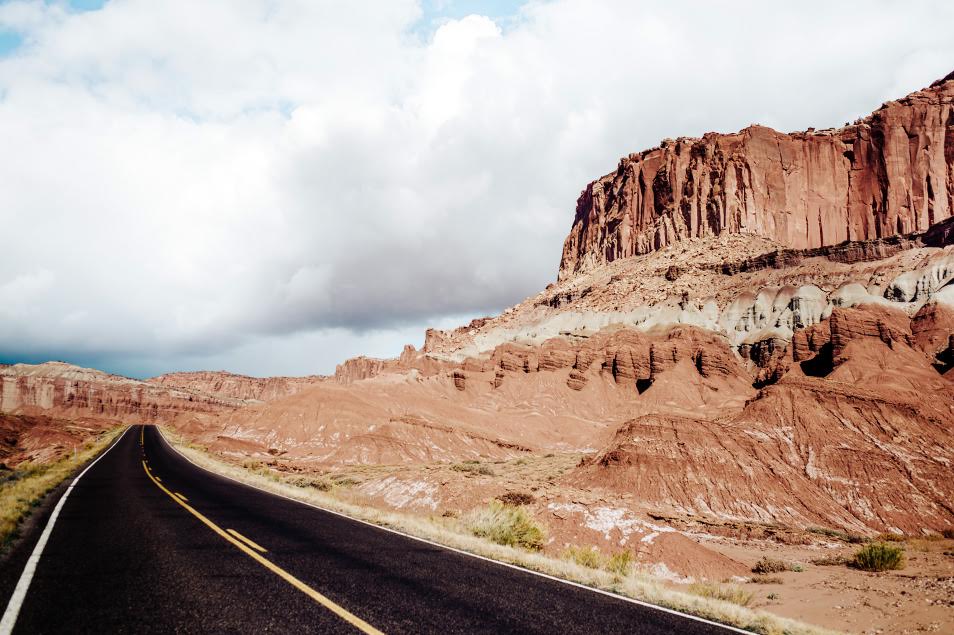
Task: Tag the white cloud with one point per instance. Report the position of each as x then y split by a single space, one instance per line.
207 182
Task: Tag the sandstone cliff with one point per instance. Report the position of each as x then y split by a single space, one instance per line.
889 173
71 392
232 386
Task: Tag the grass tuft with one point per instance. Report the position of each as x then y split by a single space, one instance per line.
506 525
878 556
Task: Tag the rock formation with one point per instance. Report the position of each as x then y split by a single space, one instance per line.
72 392
890 173
232 386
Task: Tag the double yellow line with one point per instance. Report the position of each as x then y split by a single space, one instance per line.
252 549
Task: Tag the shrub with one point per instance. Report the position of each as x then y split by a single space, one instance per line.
878 557
726 594
948 533
769 565
506 525
620 562
889 537
516 498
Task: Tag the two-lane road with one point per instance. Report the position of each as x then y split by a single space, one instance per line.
148 542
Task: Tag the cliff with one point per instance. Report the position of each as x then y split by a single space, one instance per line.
890 173
232 386
71 392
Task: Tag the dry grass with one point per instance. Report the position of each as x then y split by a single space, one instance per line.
453 532
732 594
23 489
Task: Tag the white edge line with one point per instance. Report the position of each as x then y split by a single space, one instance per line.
23 585
696 618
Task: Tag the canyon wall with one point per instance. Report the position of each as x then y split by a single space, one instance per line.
889 173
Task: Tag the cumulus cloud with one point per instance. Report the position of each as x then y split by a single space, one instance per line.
270 187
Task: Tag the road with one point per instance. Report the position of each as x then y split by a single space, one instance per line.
148 542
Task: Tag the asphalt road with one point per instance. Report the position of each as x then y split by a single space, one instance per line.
141 548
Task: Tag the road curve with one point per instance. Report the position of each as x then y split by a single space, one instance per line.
148 542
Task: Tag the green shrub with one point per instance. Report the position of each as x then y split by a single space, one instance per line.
878 557
726 594
506 525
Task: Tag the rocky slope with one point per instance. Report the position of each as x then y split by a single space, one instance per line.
888 174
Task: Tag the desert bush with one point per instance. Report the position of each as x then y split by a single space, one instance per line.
948 533
516 498
726 594
771 565
889 537
506 525
878 556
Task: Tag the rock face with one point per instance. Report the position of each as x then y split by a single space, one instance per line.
71 392
232 386
889 173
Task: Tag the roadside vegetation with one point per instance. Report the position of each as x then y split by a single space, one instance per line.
506 525
619 563
508 532
23 489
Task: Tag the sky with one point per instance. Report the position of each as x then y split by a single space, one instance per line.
269 187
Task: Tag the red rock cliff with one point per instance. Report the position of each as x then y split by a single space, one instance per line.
890 173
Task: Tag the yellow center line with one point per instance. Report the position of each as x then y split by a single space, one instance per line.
341 612
251 543
182 497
